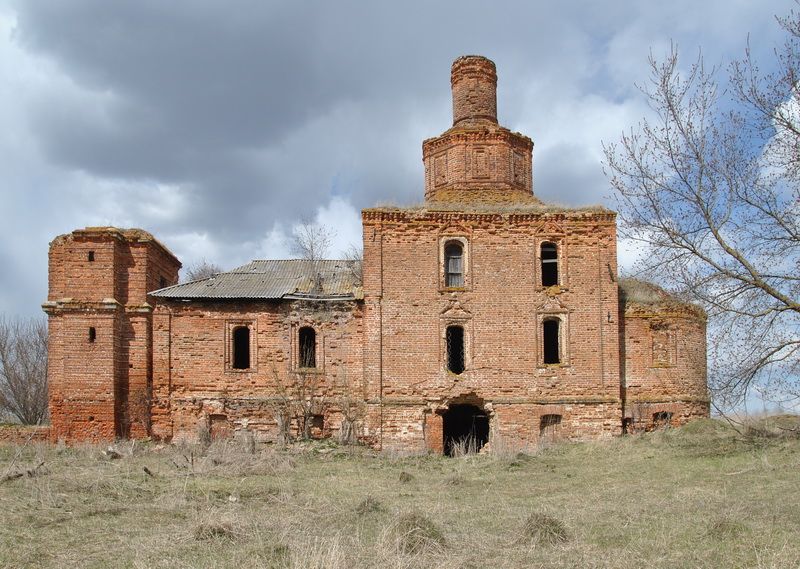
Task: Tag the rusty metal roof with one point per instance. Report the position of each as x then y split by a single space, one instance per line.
274 279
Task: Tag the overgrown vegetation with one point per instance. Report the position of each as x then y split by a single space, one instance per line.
701 496
23 369
708 187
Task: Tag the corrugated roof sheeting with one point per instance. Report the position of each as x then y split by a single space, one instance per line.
273 279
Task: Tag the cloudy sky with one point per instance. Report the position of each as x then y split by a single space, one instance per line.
219 125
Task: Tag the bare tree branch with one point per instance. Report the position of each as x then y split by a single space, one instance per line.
311 241
711 187
201 269
23 369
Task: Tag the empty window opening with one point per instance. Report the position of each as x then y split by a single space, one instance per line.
317 426
465 429
551 343
454 264
662 419
92 334
455 349
549 429
241 347
549 257
162 282
91 256
308 347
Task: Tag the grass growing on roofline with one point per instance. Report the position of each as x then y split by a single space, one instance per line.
700 496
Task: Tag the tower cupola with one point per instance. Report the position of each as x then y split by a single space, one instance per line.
477 160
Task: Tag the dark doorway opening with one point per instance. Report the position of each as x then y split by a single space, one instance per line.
465 429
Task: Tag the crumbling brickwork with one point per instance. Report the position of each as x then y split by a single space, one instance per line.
482 315
663 346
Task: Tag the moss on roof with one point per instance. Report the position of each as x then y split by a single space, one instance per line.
636 292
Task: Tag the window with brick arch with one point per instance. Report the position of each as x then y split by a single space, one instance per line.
454 336
454 264
308 347
551 341
241 347
549 261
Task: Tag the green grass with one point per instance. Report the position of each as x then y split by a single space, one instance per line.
701 496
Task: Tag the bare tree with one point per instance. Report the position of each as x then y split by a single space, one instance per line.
354 256
201 269
311 241
23 369
709 187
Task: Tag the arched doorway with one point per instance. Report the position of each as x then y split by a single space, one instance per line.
465 427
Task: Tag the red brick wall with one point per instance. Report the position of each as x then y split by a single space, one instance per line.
100 389
664 365
21 434
501 308
193 378
476 156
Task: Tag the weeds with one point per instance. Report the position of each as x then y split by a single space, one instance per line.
415 533
699 496
543 529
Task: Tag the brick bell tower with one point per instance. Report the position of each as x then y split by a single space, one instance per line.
477 160
100 331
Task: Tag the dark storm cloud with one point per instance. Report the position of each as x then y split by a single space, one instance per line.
209 123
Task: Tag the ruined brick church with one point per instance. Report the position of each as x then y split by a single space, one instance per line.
482 314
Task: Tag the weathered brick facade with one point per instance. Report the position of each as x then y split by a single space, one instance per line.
481 313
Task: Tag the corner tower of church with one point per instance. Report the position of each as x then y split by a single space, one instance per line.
477 160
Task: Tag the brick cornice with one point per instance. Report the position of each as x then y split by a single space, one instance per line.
433 215
72 305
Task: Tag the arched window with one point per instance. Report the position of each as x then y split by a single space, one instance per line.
551 341
308 347
455 349
241 347
549 258
454 264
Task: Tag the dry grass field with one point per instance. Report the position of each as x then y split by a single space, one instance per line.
700 496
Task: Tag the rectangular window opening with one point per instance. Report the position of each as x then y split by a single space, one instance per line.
308 347
552 351
454 265
241 347
549 258
455 349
